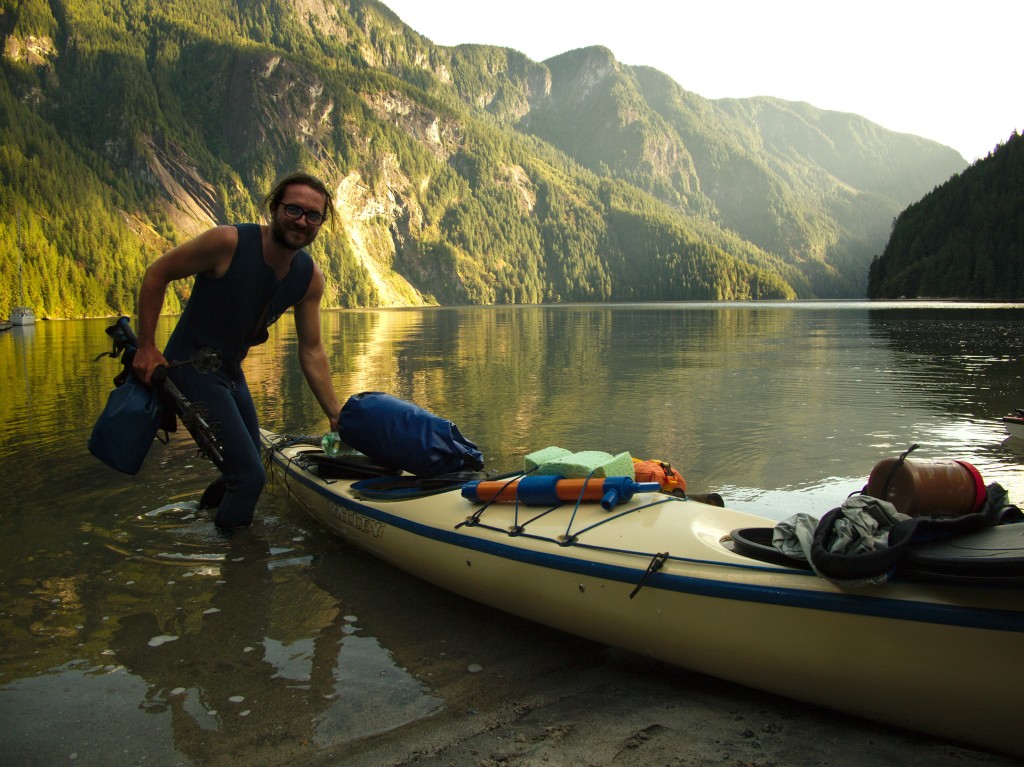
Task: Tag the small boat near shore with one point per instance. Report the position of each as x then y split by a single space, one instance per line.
22 315
1014 423
662 575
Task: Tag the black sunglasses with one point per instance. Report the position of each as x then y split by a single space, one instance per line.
313 217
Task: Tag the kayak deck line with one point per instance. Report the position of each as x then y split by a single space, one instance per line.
835 602
569 538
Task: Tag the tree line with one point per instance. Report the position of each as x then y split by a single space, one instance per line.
963 240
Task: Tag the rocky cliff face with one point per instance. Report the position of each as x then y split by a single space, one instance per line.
31 50
191 201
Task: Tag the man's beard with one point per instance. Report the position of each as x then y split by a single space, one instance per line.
293 239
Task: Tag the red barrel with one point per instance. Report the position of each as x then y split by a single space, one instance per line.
927 488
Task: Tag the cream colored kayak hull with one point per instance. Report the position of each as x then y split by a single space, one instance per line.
944 660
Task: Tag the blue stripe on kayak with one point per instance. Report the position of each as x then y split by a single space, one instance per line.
900 609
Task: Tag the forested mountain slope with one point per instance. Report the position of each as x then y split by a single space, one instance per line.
463 175
963 240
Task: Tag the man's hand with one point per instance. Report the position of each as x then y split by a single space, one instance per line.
147 359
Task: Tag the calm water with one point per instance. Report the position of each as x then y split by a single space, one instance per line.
125 619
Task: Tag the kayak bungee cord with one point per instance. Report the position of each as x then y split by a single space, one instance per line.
656 564
284 441
549 489
567 539
474 518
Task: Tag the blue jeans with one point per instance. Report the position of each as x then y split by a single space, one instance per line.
230 409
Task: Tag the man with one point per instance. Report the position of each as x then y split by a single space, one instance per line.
246 276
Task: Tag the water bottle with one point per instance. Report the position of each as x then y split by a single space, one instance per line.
332 444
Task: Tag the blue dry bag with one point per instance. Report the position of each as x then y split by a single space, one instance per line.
125 429
399 433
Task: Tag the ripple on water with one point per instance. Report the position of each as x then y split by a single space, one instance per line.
180 535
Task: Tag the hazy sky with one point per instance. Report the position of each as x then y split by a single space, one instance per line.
947 71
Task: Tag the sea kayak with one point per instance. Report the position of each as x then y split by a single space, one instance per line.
663 576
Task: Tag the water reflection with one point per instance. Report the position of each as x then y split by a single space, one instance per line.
238 649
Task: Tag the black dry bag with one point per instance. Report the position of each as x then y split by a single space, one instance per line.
125 429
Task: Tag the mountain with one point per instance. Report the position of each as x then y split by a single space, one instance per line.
462 175
965 239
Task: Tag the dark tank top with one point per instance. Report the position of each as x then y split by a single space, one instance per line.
231 313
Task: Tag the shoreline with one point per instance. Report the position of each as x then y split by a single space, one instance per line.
617 708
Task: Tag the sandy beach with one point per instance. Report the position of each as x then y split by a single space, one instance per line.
570 703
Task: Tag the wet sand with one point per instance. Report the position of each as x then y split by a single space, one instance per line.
584 705
633 716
